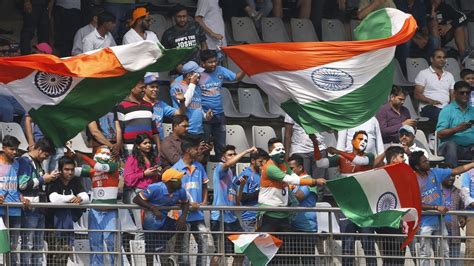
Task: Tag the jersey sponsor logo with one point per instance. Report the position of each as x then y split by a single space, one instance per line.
331 79
52 85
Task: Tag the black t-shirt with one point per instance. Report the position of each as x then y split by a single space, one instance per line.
74 187
447 14
191 36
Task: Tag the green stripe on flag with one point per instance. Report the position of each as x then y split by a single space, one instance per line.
353 202
93 98
255 255
376 25
346 111
4 241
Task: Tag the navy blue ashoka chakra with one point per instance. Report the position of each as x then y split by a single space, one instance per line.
332 79
52 85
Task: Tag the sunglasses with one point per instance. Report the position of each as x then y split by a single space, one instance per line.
464 92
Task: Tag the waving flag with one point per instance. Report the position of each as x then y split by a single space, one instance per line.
259 248
4 240
64 94
380 198
330 85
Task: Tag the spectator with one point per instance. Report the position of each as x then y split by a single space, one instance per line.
225 193
467 195
184 34
101 37
468 76
9 190
35 22
349 163
65 189
429 180
121 10
393 115
186 84
67 20
171 146
303 6
238 8
452 200
10 109
447 23
105 131
455 126
209 17
195 183
166 193
140 28
249 187
305 221
103 172
407 140
77 47
274 181
372 128
434 87
31 178
262 7
368 6
421 45
211 85
161 110
136 117
141 169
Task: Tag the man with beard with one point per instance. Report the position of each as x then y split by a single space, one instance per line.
349 163
139 28
407 140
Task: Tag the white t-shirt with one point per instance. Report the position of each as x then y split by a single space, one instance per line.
374 144
300 141
132 36
435 88
414 148
212 16
95 41
79 37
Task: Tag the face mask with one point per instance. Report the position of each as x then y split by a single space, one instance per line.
278 153
102 154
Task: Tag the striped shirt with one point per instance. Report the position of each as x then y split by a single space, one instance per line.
135 118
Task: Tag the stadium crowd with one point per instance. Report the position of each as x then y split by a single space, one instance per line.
129 144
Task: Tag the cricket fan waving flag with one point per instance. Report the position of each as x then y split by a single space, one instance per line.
330 85
63 95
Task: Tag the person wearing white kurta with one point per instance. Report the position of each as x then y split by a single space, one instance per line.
132 36
375 143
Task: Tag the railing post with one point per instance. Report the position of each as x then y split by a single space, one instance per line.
442 226
222 242
118 239
331 240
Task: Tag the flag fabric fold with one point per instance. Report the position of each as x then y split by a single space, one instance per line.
64 94
259 248
330 85
380 198
4 239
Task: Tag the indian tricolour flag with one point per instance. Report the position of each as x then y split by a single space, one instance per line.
4 240
330 85
380 198
259 248
64 94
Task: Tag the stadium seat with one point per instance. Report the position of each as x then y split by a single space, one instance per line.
243 29
420 140
323 219
398 77
81 245
229 107
235 68
251 102
235 135
138 246
452 66
354 23
470 33
15 130
302 30
239 167
469 63
273 30
158 24
78 144
261 135
210 167
274 108
167 129
333 30
411 108
415 65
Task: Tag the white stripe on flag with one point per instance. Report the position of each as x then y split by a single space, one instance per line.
136 56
